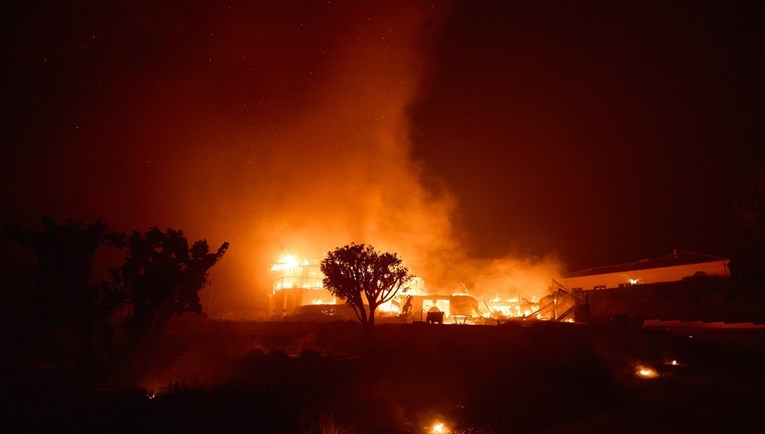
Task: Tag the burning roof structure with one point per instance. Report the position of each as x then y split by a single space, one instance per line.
297 284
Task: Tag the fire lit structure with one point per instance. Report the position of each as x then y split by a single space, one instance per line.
298 289
296 283
670 268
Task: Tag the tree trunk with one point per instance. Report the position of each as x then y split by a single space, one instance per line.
362 313
370 325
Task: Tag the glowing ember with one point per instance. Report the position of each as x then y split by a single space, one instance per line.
439 427
673 363
646 372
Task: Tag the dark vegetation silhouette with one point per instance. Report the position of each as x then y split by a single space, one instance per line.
364 279
750 202
161 276
300 377
510 378
750 206
64 297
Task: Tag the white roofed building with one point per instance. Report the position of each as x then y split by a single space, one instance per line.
670 268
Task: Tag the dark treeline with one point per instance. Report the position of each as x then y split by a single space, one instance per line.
160 276
517 377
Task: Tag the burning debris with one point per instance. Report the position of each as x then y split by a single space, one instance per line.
297 284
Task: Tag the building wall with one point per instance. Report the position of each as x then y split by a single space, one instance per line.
285 301
649 275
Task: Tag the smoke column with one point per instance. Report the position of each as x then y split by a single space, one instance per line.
280 127
338 168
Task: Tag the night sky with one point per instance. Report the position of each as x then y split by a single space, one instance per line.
545 135
605 131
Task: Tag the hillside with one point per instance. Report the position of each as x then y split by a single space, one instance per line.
692 299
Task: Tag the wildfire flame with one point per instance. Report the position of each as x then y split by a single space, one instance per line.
646 372
439 428
291 272
286 262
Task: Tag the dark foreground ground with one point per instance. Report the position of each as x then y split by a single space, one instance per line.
526 377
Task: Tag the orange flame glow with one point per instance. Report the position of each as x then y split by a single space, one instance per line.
439 428
646 372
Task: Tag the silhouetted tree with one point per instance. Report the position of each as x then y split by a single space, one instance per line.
64 295
750 202
364 278
163 276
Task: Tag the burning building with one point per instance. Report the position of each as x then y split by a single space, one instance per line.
296 283
298 292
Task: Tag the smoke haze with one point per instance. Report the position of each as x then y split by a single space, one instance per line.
281 128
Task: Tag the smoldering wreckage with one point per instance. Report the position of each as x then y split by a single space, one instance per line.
298 293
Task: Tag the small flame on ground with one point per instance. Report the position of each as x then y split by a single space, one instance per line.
646 372
439 427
